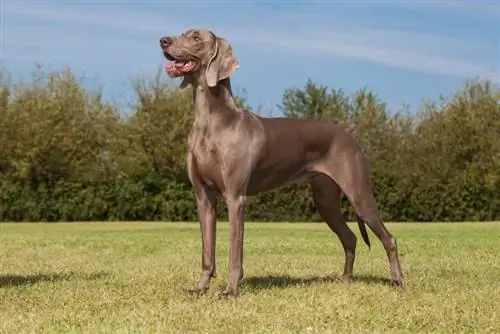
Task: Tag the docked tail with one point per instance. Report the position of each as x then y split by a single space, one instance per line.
362 229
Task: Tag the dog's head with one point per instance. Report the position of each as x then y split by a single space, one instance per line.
198 55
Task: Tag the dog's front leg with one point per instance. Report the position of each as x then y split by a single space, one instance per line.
235 206
206 203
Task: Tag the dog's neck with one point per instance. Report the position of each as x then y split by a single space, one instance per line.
212 100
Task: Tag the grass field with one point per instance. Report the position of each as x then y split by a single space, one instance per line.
132 277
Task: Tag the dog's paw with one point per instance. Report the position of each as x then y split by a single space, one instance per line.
197 291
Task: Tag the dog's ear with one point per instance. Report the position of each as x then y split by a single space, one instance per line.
222 64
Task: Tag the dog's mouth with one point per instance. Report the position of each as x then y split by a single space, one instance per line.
179 67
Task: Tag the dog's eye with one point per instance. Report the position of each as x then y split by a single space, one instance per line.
196 38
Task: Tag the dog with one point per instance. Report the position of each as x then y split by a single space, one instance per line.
234 153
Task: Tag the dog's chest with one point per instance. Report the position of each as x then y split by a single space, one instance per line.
206 157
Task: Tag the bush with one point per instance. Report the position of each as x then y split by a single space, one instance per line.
68 155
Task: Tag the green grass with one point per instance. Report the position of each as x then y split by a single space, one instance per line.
132 277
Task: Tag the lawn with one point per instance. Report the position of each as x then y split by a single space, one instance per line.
132 277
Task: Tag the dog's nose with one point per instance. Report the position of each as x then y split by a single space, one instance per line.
166 41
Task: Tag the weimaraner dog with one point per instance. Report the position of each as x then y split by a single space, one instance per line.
234 153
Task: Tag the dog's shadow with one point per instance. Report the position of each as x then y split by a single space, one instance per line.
20 280
283 281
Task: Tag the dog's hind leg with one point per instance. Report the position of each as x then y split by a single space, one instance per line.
352 175
327 196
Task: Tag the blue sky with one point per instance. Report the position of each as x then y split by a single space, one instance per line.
405 51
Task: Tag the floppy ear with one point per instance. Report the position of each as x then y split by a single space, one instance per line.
222 64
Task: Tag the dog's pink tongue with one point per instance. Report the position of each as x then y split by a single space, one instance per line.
177 68
171 69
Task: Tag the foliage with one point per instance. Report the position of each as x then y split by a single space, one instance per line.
67 154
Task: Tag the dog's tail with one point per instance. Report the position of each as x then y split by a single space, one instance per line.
362 229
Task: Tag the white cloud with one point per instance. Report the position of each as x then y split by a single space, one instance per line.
485 8
402 49
388 56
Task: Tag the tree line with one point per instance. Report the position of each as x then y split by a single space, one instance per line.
68 154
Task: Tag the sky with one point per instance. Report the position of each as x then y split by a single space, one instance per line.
404 51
